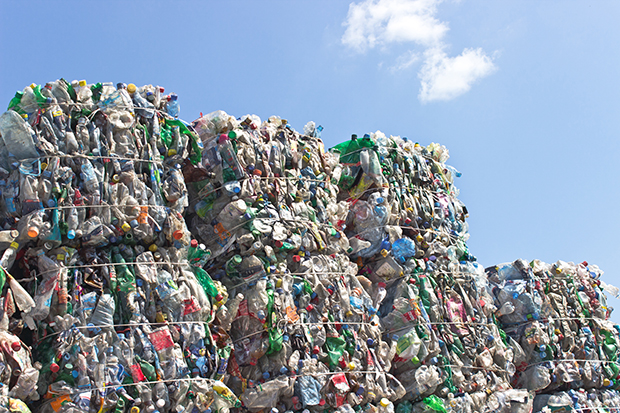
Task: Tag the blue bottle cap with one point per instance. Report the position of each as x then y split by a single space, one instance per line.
75 374
134 223
370 342
71 234
51 203
283 370
266 375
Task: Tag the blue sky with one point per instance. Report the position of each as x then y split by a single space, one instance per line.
523 93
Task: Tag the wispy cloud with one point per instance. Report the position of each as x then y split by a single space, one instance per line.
379 23
405 61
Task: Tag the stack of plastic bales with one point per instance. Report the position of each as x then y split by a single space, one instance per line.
437 314
150 265
103 311
557 313
351 279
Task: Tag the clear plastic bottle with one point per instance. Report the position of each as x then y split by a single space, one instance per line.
172 106
18 136
104 311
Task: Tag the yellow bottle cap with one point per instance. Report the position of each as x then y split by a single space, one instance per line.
278 283
135 409
351 366
126 227
115 178
43 166
131 88
349 313
172 152
384 402
33 85
83 83
153 248
14 245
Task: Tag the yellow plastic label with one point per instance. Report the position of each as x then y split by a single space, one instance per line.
57 113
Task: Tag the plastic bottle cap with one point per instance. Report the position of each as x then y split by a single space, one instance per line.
172 152
134 223
126 227
54 367
33 232
83 83
160 403
322 402
131 88
134 409
219 297
152 247
194 243
178 234
384 402
16 346
266 375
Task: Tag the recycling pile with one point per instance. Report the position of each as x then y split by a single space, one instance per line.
558 315
101 306
233 264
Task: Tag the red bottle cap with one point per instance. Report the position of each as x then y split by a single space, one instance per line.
54 367
178 234
16 346
310 307
194 243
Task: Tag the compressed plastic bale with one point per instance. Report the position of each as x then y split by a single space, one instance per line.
97 203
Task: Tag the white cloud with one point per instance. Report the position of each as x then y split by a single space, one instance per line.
379 23
444 78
